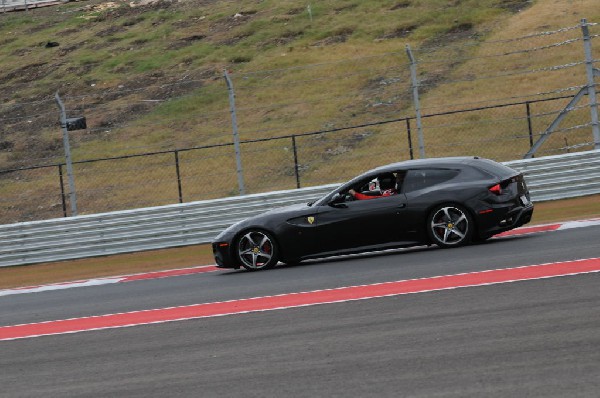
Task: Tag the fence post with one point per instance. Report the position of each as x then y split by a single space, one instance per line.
296 170
236 138
591 85
410 147
415 91
178 176
67 146
62 190
529 126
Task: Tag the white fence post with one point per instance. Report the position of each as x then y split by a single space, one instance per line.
415 91
236 137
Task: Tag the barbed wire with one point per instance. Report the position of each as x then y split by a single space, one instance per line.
515 97
327 125
290 126
516 118
112 91
537 34
124 127
322 142
503 75
332 129
116 108
352 127
285 104
172 145
567 148
508 53
484 122
108 172
319 79
128 187
568 129
228 133
319 127
165 147
455 144
188 159
509 137
478 43
124 157
314 144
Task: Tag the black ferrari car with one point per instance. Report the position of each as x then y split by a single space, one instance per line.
445 201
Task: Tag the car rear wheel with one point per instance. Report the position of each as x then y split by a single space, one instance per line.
450 226
256 250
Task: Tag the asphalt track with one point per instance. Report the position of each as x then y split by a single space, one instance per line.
532 338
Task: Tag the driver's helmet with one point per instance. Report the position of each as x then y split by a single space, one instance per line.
387 181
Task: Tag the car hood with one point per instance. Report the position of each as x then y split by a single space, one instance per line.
285 209
264 218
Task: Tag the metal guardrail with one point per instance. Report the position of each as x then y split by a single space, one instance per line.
136 230
561 176
17 5
548 178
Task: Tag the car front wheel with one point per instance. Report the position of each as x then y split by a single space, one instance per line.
256 250
450 225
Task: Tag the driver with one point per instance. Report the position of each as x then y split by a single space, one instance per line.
387 187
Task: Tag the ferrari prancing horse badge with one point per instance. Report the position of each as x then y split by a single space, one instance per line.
311 220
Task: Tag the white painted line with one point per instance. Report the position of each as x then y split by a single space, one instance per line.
579 224
60 286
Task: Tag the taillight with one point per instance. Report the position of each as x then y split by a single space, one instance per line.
496 189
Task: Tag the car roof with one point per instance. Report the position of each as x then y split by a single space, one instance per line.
489 166
437 162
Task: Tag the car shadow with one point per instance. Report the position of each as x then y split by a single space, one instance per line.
376 254
362 256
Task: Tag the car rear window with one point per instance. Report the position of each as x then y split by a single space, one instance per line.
495 169
424 178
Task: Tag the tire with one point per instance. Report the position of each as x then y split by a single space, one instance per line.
256 250
479 239
450 225
291 263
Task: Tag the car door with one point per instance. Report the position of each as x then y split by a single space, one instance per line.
359 223
423 188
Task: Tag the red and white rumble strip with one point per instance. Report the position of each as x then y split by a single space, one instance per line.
211 268
300 299
550 227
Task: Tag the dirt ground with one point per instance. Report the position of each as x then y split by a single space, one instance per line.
190 256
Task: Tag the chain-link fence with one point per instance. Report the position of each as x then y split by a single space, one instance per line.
301 126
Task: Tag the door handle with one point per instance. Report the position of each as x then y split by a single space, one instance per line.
402 206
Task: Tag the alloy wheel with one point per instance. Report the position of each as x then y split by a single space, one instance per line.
256 250
450 226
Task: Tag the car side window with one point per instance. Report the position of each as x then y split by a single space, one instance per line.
378 186
425 178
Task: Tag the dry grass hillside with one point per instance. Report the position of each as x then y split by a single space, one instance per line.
149 78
